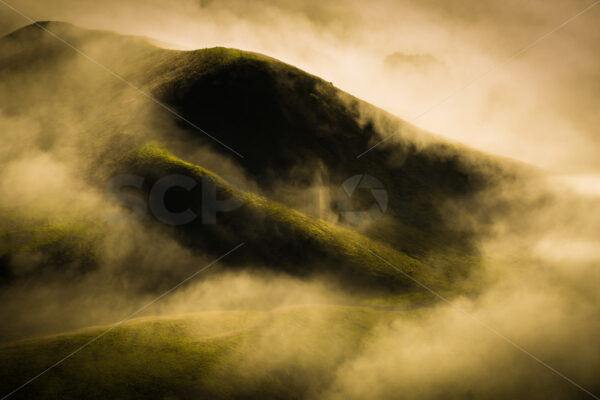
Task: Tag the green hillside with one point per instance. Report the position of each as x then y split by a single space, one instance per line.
277 236
211 355
295 242
289 125
294 132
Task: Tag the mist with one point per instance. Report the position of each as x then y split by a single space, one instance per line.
523 109
532 313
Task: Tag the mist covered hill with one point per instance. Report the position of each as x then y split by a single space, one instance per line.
129 169
274 130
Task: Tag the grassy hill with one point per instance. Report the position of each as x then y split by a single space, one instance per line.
210 355
276 236
287 239
295 131
290 126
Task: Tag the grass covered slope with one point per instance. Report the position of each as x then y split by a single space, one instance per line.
276 237
67 245
290 126
285 353
295 131
282 238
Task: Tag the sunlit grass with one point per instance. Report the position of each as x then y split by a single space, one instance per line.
210 355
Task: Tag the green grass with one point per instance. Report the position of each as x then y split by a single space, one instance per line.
276 236
50 241
235 354
344 252
287 123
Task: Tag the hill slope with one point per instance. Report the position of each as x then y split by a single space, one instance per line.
293 129
81 125
295 132
210 355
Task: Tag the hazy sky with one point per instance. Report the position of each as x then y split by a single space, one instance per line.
405 56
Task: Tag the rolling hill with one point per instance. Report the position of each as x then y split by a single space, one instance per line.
290 127
262 136
208 355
